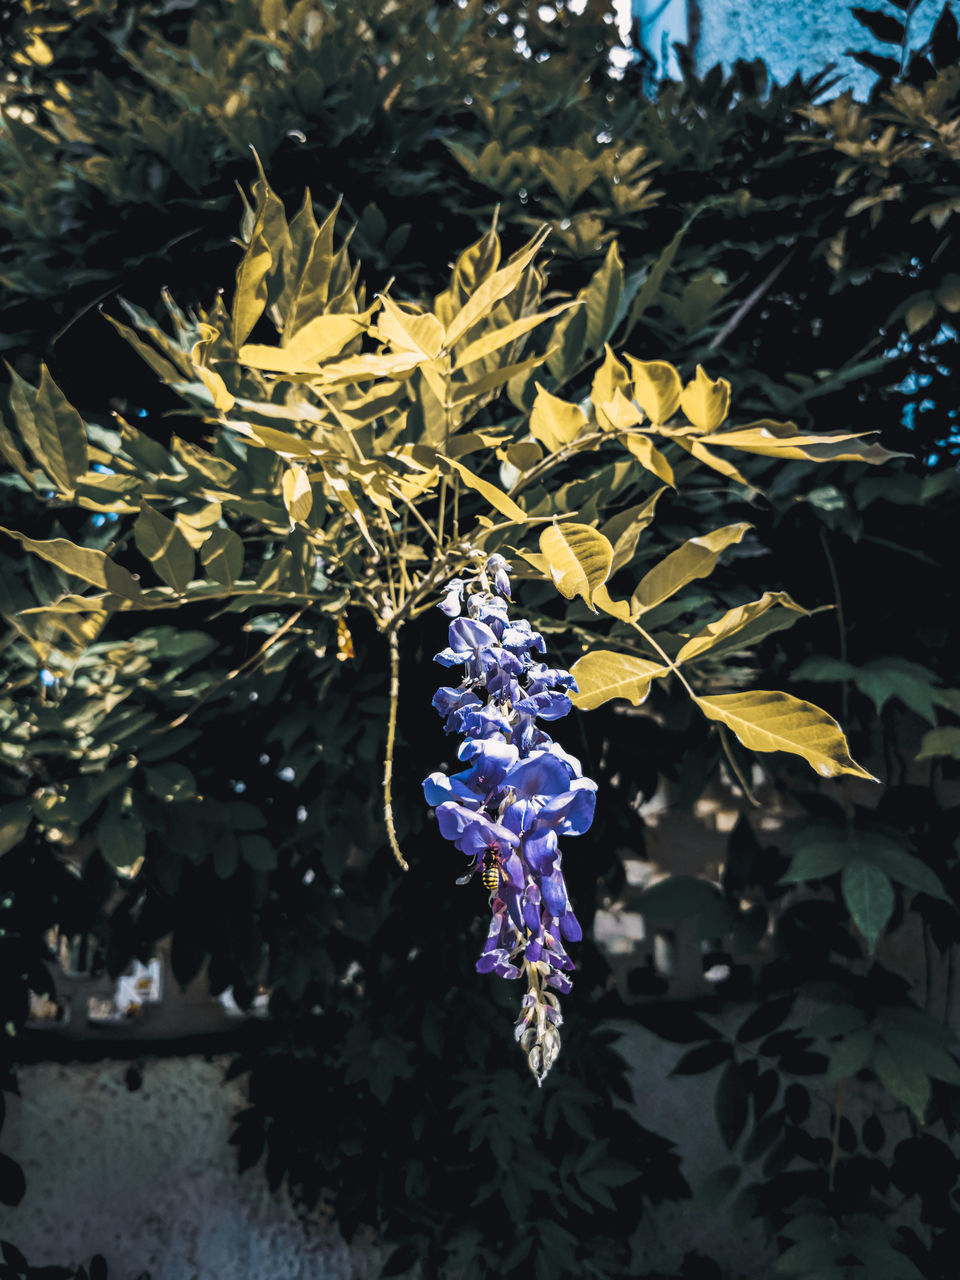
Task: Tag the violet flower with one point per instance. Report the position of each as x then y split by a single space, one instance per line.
519 796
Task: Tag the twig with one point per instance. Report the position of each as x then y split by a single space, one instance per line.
749 302
731 760
393 642
841 624
231 675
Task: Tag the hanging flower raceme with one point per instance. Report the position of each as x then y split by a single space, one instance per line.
518 796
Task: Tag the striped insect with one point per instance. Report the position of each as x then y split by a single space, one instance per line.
490 875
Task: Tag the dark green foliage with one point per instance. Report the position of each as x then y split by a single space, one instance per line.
806 253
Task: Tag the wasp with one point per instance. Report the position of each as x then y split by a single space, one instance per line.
490 875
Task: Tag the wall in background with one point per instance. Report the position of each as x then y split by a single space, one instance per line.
789 35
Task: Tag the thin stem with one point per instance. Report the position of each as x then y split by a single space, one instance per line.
686 684
397 600
393 643
244 666
413 510
839 1098
553 459
731 760
645 635
841 624
441 511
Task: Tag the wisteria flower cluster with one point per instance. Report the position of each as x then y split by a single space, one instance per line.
519 795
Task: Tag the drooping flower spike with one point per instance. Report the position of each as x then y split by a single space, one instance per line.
521 792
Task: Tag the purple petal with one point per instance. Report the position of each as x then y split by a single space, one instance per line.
539 775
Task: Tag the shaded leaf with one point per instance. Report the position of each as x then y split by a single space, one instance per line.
869 897
162 543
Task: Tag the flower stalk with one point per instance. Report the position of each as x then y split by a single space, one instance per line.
519 795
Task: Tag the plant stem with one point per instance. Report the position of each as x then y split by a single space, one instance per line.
841 624
645 635
394 646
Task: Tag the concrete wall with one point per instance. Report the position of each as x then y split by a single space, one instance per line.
147 1178
792 35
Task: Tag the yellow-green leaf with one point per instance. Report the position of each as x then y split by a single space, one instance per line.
555 422
297 494
623 530
767 720
492 379
649 456
12 455
222 556
618 413
612 376
696 558
83 562
281 442
712 460
496 497
783 440
616 608
321 338
656 388
705 403
493 288
61 432
578 557
165 547
250 296
735 620
496 338
409 331
601 298
603 675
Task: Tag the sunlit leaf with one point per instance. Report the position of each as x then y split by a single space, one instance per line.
649 456
623 530
734 621
83 562
602 675
297 494
601 298
767 720
421 333
496 497
578 558
783 440
696 558
611 377
656 388
555 422
499 337
492 289
705 403
250 296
